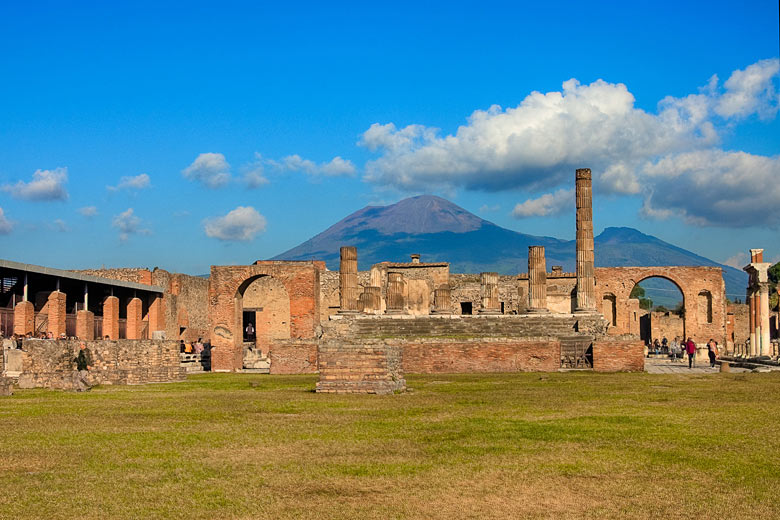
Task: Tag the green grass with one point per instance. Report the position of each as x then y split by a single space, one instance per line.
563 445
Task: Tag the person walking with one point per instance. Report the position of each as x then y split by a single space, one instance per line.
690 348
83 366
675 349
712 351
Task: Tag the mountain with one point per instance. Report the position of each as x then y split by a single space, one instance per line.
444 232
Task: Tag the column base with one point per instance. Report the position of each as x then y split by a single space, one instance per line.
537 311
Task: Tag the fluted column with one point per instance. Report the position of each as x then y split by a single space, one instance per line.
537 280
396 303
348 281
370 301
586 282
489 294
441 300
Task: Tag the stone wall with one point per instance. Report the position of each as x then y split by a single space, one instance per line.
294 357
618 355
741 321
186 305
666 325
367 367
50 364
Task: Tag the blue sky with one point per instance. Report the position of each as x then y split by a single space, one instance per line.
183 136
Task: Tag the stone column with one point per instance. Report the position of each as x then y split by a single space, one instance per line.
489 294
348 281
442 303
396 303
586 281
156 314
85 325
57 310
134 319
111 317
751 320
537 280
370 301
763 314
24 318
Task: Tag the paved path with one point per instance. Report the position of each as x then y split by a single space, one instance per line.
665 366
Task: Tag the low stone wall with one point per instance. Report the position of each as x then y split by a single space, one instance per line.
431 356
368 367
618 355
50 364
293 357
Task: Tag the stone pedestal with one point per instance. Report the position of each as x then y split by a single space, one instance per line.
396 302
24 318
111 317
370 301
85 325
134 318
57 310
537 280
586 281
348 281
442 303
488 291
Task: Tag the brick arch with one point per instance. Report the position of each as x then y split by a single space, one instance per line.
689 280
226 287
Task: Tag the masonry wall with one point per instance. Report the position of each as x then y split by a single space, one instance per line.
293 357
432 356
186 305
741 321
50 364
366 367
666 325
617 355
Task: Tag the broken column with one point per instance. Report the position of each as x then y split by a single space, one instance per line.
442 300
111 317
370 301
85 324
348 281
586 282
537 280
396 303
57 311
24 318
488 290
134 319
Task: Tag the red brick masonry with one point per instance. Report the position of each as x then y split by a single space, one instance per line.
617 355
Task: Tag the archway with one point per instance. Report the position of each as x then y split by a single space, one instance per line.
661 304
262 317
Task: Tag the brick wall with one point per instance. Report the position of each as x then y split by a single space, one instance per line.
294 357
49 364
373 368
480 355
617 355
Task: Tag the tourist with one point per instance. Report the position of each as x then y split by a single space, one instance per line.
181 346
674 349
656 347
250 332
712 351
665 345
83 366
690 348
198 346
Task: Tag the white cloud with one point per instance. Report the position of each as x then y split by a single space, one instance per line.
210 169
738 261
751 91
548 204
88 211
240 224
254 173
46 185
5 225
60 225
138 182
128 224
336 167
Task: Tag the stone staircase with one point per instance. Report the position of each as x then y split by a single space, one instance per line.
255 361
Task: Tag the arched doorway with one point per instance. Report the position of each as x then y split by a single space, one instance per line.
661 304
262 317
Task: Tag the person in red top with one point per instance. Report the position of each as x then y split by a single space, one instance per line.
690 348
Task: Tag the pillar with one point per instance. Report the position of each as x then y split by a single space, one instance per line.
156 314
396 303
24 318
85 325
751 321
134 318
442 303
57 310
348 281
763 315
489 294
586 281
370 301
415 258
537 280
111 317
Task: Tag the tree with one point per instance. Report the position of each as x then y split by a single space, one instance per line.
638 293
774 278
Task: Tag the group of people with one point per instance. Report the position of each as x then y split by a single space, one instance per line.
196 347
677 349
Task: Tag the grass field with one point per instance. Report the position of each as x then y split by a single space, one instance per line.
562 445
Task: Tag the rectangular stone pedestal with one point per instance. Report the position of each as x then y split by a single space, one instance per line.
365 368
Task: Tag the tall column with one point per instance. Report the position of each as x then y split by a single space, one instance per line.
489 294
396 303
442 300
134 318
56 323
586 281
348 281
111 317
537 280
763 313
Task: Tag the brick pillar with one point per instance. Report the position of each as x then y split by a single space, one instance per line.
442 300
56 324
85 325
156 314
111 317
396 303
348 281
488 291
24 318
134 318
586 279
537 280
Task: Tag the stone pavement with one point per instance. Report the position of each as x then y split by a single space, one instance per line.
663 365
